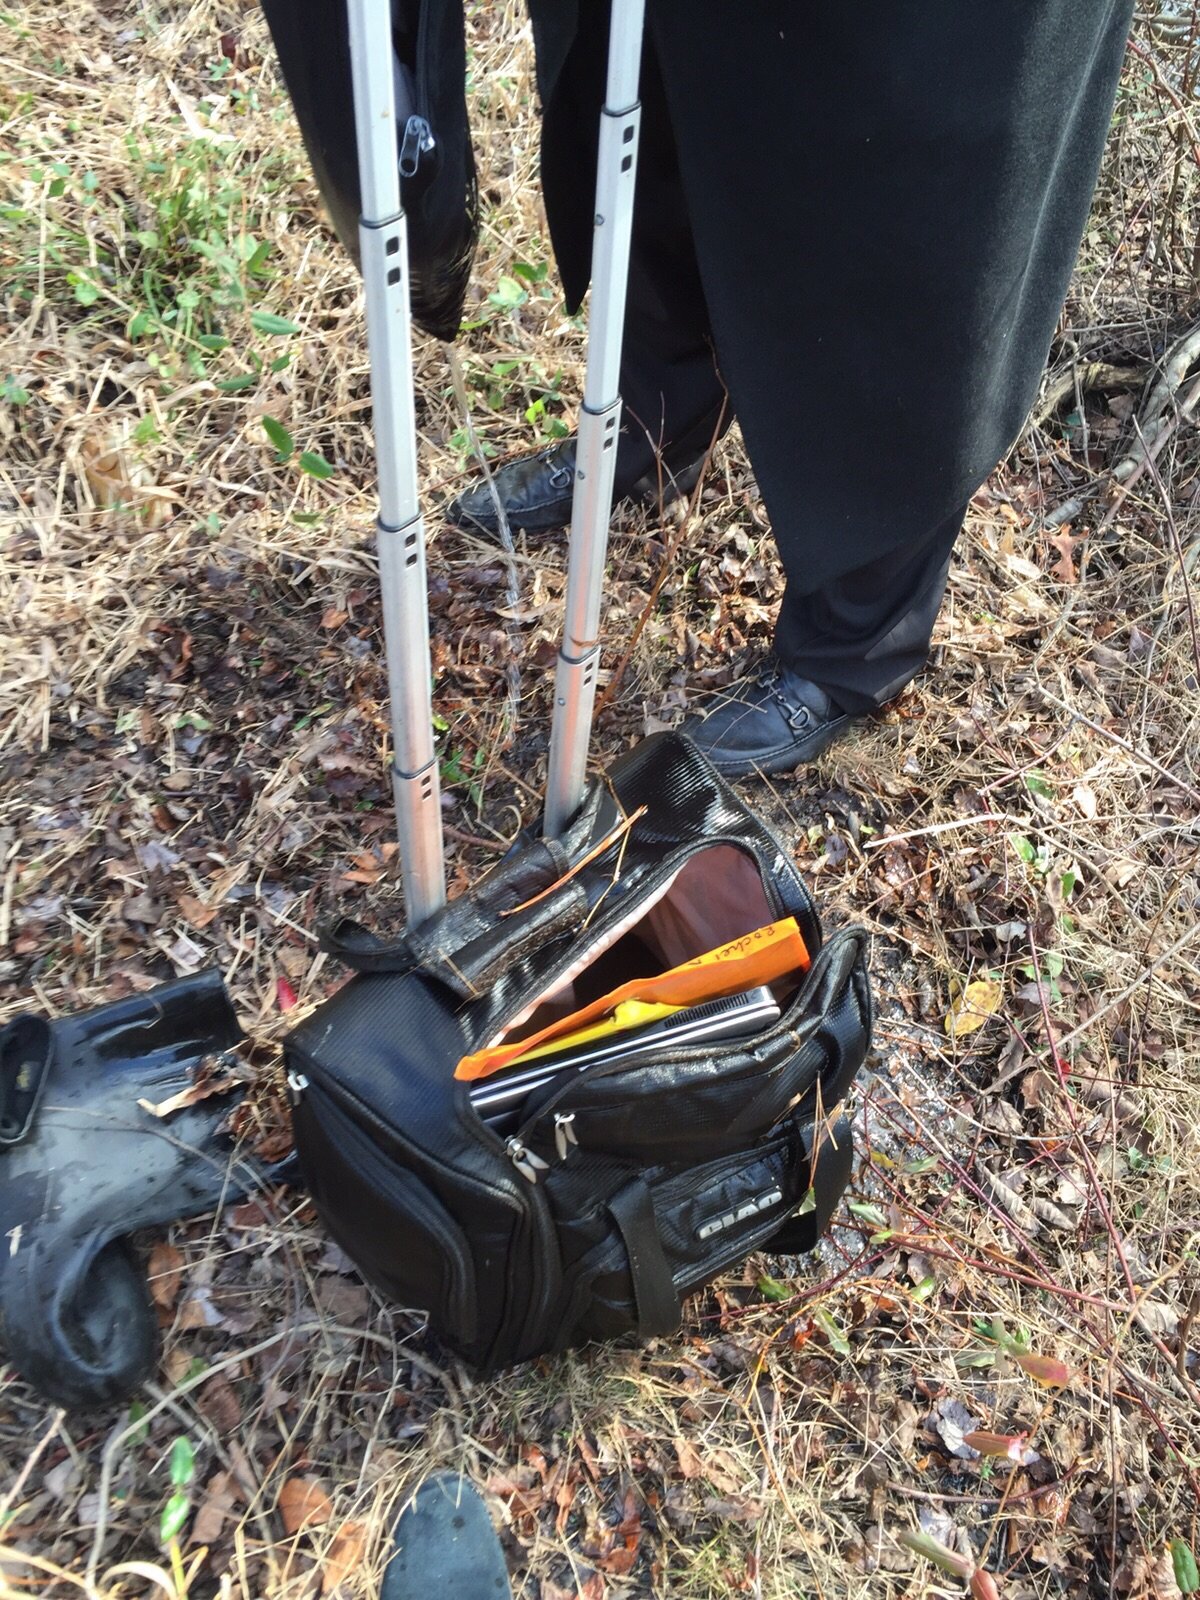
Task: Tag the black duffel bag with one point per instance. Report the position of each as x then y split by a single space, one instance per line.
618 1189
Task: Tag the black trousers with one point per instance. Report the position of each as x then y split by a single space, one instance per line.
861 222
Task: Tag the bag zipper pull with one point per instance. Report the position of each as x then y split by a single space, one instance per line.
416 141
564 1133
297 1083
526 1163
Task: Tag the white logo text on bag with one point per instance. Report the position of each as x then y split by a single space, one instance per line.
751 1209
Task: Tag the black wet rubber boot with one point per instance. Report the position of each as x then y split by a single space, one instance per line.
99 1139
446 1547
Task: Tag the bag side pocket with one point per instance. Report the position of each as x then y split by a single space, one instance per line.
394 1228
673 1233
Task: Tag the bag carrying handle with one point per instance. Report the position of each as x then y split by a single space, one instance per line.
599 419
654 1293
472 940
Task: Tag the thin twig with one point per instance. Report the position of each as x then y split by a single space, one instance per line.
1173 529
1115 738
1176 365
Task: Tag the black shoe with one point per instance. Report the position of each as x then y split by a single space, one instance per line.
536 491
445 1547
770 721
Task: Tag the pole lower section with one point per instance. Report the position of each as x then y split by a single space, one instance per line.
599 421
400 534
579 654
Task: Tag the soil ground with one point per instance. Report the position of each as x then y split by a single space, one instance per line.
193 735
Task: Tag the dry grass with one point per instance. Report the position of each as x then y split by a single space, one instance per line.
192 733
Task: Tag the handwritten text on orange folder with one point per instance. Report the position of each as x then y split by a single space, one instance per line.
759 957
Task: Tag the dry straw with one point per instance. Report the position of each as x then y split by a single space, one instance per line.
192 736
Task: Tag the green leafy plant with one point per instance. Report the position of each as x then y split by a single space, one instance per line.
175 1511
279 437
172 250
1037 857
315 464
508 294
1183 1563
456 770
1047 974
311 462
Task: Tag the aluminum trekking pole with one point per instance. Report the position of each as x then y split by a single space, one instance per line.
599 420
400 532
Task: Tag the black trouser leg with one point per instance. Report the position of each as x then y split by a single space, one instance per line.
887 203
672 395
863 635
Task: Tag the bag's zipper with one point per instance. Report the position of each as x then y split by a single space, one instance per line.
517 1145
416 141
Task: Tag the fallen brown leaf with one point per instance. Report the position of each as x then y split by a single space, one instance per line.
689 1462
619 1562
972 1007
734 1508
1045 1370
1018 1210
1015 1446
198 914
343 1556
343 1300
564 1499
249 1214
1064 567
191 1096
219 1403
219 1494
177 1363
198 1312
304 1504
116 478
165 1274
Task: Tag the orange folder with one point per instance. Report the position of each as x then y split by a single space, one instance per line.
759 957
